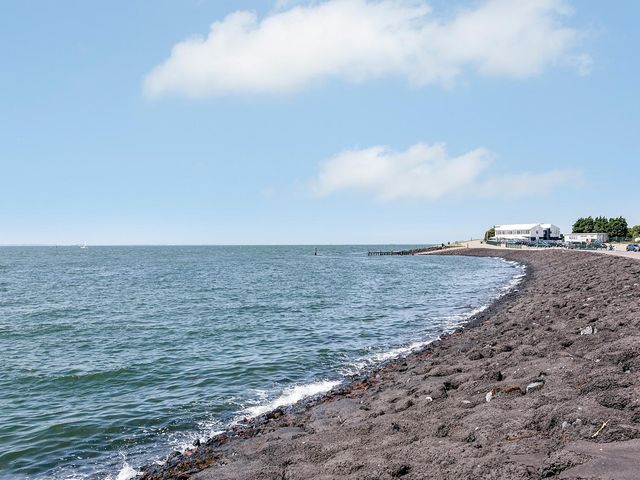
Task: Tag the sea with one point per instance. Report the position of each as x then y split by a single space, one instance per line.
113 357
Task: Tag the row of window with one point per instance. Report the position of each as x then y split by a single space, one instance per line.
513 232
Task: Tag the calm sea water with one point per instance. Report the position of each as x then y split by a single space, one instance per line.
111 357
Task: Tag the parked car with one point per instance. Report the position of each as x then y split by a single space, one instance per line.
633 247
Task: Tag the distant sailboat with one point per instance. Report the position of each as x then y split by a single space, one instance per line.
83 246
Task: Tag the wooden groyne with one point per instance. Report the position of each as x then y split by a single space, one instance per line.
390 252
415 251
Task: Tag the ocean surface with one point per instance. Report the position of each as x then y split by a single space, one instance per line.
112 357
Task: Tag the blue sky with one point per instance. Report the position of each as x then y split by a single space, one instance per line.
410 126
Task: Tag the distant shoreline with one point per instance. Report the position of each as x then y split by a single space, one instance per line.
428 415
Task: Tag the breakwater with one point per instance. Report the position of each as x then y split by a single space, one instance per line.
414 251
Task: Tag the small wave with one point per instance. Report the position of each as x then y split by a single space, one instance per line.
517 278
127 472
399 352
292 395
360 365
183 441
476 311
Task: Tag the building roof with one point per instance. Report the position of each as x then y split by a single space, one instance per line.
517 226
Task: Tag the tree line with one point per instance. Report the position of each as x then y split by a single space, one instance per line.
615 227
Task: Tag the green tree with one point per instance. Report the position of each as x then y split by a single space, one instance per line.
618 227
583 225
490 233
634 232
601 225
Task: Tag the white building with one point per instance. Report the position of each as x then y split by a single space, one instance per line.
586 237
527 231
553 232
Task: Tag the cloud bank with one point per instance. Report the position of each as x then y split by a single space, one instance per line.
358 40
428 172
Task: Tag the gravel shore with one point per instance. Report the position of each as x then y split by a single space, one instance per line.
543 384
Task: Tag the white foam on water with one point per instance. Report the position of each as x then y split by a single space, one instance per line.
399 352
183 441
127 472
363 363
517 279
448 325
475 311
290 396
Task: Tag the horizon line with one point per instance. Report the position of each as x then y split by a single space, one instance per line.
215 244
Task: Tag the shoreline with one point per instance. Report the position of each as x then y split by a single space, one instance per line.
278 441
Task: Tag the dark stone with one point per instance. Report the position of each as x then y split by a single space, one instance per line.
442 430
399 470
449 385
475 355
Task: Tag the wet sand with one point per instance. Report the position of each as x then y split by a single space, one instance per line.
543 384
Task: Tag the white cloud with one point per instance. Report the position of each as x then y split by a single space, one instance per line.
356 40
427 172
